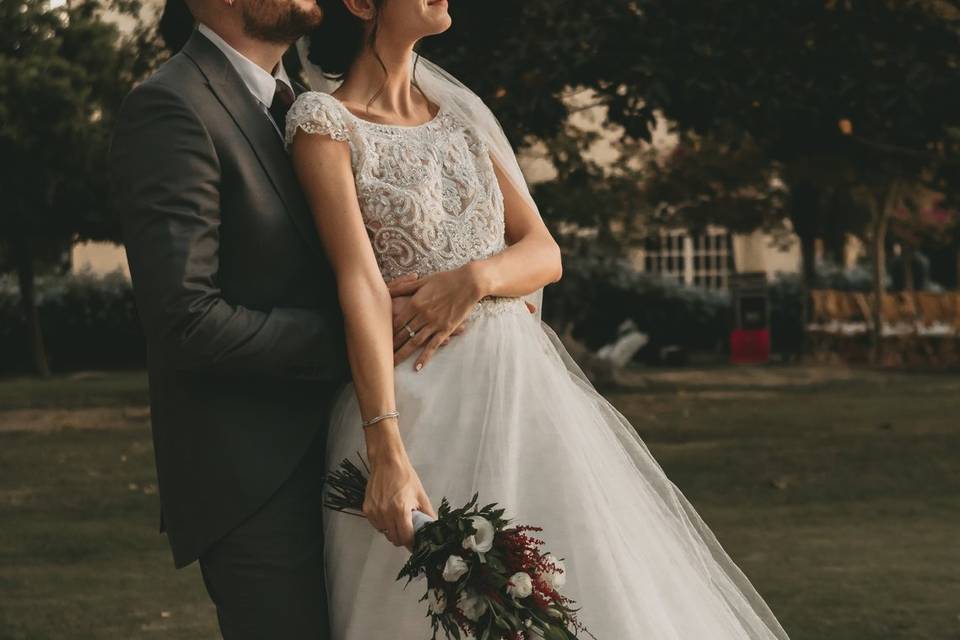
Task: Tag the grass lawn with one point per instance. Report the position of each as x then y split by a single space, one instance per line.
837 492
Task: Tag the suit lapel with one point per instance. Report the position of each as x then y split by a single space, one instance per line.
256 126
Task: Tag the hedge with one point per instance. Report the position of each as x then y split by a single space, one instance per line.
88 321
596 295
91 321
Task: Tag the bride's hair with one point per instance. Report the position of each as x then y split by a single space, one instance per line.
338 41
176 24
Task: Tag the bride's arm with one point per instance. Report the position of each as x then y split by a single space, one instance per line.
442 301
532 257
323 167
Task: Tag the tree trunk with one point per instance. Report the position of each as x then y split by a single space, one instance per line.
804 215
23 251
958 268
808 258
808 271
879 238
908 276
881 211
804 210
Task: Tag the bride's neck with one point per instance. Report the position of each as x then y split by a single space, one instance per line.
392 88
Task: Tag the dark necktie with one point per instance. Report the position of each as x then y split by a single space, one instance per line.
282 99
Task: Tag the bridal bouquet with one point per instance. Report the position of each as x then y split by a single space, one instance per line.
485 578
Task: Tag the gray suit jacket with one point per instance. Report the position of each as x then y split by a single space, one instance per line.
237 300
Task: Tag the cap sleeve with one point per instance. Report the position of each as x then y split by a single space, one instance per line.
316 112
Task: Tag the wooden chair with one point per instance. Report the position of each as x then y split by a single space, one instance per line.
931 307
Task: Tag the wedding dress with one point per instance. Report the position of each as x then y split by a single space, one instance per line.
503 411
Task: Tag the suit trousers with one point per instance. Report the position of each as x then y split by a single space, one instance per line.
266 576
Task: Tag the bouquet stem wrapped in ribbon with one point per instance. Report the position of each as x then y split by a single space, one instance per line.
485 578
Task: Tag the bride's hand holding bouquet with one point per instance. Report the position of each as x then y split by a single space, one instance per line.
394 489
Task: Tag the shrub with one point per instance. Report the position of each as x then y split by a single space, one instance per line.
596 295
91 321
832 276
88 322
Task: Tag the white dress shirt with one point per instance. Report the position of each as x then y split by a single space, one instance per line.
261 84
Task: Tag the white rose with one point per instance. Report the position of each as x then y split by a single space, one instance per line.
557 576
455 569
471 605
520 585
482 540
436 601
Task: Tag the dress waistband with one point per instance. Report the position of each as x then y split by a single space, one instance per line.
495 306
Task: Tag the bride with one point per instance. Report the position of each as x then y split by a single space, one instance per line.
412 181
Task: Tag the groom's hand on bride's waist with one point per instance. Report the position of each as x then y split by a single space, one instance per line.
402 290
403 346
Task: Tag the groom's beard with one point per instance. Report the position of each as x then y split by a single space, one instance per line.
280 21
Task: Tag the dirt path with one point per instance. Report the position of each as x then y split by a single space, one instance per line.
754 377
46 420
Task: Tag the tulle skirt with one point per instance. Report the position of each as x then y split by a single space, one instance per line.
503 411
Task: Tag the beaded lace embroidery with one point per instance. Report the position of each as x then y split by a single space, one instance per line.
494 306
428 193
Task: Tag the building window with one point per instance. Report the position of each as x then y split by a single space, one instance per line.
704 260
666 254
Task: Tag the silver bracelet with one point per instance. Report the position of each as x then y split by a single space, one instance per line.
373 421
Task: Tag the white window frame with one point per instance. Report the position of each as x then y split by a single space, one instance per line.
714 248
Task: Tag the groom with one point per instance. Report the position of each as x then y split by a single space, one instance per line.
240 310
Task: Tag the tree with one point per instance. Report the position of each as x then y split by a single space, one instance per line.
845 95
923 221
706 180
64 73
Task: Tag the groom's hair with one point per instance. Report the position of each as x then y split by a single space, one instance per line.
176 24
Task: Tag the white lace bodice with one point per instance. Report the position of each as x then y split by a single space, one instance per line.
428 193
